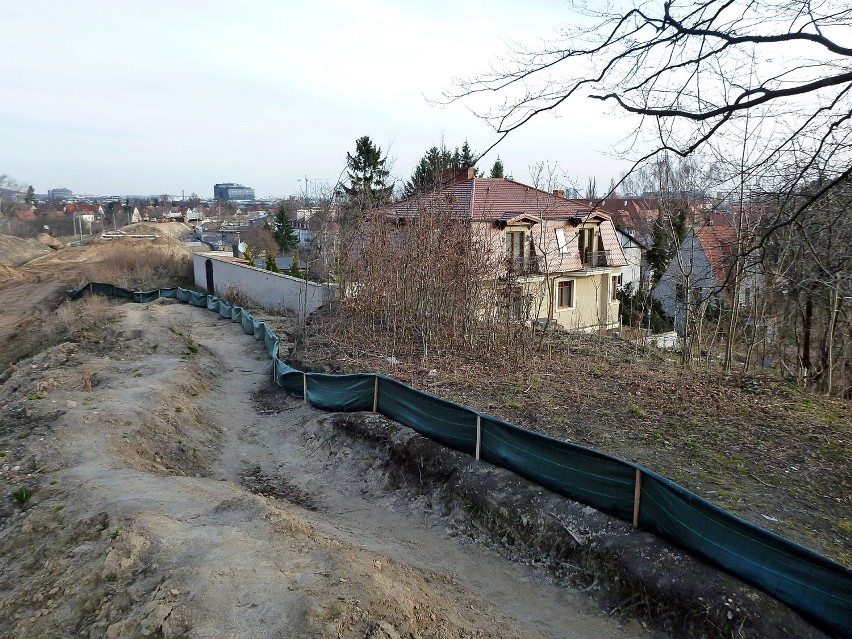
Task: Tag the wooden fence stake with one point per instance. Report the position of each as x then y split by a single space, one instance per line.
637 492
376 395
478 436
305 387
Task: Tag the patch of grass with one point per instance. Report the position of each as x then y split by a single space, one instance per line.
116 532
35 396
111 577
53 482
58 508
636 411
844 525
3 453
22 495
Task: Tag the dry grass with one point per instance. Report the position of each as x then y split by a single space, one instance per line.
237 296
92 313
143 265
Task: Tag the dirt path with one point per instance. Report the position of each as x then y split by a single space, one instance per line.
142 519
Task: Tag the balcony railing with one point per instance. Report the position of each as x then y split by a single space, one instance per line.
596 258
526 265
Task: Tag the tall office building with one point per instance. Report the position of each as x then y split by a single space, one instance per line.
231 191
57 195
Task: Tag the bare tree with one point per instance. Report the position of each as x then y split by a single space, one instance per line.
681 65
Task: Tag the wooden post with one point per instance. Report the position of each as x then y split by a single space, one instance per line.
305 387
637 492
478 436
376 395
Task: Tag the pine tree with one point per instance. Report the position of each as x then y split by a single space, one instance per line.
30 197
497 169
285 237
467 159
368 178
271 265
428 171
294 271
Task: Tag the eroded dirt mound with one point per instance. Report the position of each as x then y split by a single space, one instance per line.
15 251
49 242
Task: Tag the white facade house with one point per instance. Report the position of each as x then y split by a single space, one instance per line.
636 272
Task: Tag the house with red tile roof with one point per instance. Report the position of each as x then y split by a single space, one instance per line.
634 216
563 258
702 273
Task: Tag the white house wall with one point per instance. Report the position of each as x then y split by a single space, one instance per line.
270 290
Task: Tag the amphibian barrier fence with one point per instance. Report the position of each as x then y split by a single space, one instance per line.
812 584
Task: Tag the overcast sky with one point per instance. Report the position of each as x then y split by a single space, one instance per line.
163 96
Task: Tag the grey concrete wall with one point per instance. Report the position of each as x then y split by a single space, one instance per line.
269 290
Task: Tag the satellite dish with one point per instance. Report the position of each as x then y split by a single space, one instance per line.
241 247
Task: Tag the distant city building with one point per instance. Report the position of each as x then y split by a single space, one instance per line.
58 195
231 191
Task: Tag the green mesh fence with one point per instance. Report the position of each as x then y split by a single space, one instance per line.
815 586
438 419
582 474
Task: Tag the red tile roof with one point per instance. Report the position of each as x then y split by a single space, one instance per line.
635 213
719 243
70 209
490 199
500 199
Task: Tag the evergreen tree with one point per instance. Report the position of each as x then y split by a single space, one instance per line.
668 233
497 169
285 237
294 271
369 185
270 262
30 197
428 170
467 158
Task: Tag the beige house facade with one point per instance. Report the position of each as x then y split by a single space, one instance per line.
551 259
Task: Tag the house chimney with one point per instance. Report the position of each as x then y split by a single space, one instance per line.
447 176
559 192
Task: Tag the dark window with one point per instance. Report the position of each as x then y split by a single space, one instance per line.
565 294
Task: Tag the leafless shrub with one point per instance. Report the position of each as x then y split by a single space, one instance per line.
235 295
430 285
91 313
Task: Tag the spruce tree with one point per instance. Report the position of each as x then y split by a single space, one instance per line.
271 265
285 237
369 185
497 169
428 171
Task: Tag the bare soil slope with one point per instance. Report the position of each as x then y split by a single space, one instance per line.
152 488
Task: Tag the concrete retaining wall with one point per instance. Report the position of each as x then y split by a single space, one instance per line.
269 290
